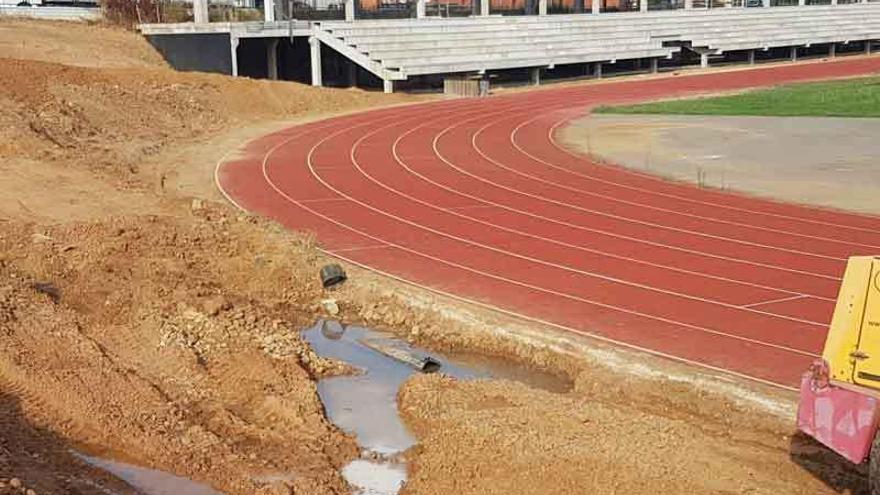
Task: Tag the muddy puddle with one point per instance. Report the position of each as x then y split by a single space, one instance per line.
149 481
366 404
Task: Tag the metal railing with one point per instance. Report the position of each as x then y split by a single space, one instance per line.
384 9
447 8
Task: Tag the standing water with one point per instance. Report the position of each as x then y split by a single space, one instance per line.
366 404
149 481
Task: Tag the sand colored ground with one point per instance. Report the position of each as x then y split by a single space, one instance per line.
144 319
815 160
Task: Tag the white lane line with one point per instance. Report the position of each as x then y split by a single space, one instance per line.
360 248
468 207
592 335
503 279
524 317
453 296
773 301
624 218
491 183
567 245
587 273
512 139
368 206
618 236
518 255
701 253
551 134
540 198
321 200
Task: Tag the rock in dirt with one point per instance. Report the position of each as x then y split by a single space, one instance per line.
49 289
214 305
330 306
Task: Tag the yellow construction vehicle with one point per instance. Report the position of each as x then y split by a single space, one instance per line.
840 394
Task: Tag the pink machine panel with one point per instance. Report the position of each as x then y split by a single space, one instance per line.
843 420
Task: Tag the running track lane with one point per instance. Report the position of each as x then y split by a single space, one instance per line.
475 198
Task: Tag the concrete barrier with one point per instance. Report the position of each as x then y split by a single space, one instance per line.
465 87
52 13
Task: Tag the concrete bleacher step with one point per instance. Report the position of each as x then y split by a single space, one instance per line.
671 29
522 52
580 20
717 40
527 62
407 47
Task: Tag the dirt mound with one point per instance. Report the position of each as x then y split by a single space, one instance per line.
141 321
503 437
82 44
172 344
137 322
111 120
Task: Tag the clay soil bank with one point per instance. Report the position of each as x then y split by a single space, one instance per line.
144 319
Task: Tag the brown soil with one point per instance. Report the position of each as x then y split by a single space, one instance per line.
503 437
137 322
143 319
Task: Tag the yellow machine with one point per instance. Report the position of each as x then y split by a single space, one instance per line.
852 349
840 395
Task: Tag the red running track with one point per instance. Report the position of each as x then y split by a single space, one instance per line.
474 198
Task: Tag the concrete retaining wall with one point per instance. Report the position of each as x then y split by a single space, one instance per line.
208 52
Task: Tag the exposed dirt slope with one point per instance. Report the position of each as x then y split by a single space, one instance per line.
144 321
172 339
605 437
171 343
80 44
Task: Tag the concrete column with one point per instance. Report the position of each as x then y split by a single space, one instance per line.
643 5
833 2
535 76
315 45
420 9
233 52
272 58
794 53
484 7
655 65
688 4
351 72
349 10
578 6
269 10
801 3
751 57
542 7
595 6
869 48
200 11
597 70
832 50
388 86
704 60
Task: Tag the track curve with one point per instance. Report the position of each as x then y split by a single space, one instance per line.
476 199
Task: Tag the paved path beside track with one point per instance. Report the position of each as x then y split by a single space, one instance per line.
476 199
822 161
